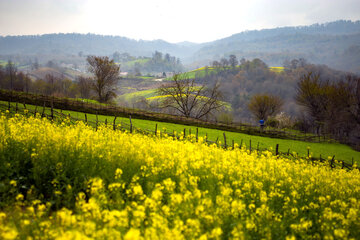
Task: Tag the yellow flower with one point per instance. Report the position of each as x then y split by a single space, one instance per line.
19 197
132 234
13 183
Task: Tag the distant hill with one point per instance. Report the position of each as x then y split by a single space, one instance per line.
336 44
73 43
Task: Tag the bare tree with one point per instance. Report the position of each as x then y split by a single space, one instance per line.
233 61
11 71
53 84
352 91
84 86
314 96
216 64
224 63
332 106
263 106
2 77
106 74
190 99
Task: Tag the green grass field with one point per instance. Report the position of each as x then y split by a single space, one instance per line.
131 64
145 94
341 151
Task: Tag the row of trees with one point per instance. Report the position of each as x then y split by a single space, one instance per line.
159 62
102 86
225 63
331 106
11 78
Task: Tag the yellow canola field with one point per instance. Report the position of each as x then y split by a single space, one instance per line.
144 187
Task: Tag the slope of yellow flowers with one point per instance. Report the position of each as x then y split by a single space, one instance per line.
63 181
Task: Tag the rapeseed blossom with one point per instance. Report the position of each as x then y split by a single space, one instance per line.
105 184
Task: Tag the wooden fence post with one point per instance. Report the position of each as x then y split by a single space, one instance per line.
96 121
241 143
114 124
131 128
52 110
225 145
233 145
9 106
332 162
277 149
184 133
155 129
197 134
250 145
43 112
86 119
105 121
16 107
35 111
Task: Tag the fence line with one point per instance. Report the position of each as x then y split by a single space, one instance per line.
82 106
124 127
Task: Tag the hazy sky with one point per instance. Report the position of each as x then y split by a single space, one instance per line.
170 20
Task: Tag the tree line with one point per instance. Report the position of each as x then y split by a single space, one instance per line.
331 106
100 86
159 62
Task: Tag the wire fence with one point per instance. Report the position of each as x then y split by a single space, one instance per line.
110 110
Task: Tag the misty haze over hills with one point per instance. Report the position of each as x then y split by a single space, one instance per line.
336 44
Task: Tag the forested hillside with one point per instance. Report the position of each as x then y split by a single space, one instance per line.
336 44
251 77
84 44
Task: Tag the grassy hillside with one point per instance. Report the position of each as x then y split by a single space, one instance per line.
131 64
137 94
341 151
201 72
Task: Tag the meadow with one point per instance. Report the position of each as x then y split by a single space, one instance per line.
68 181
